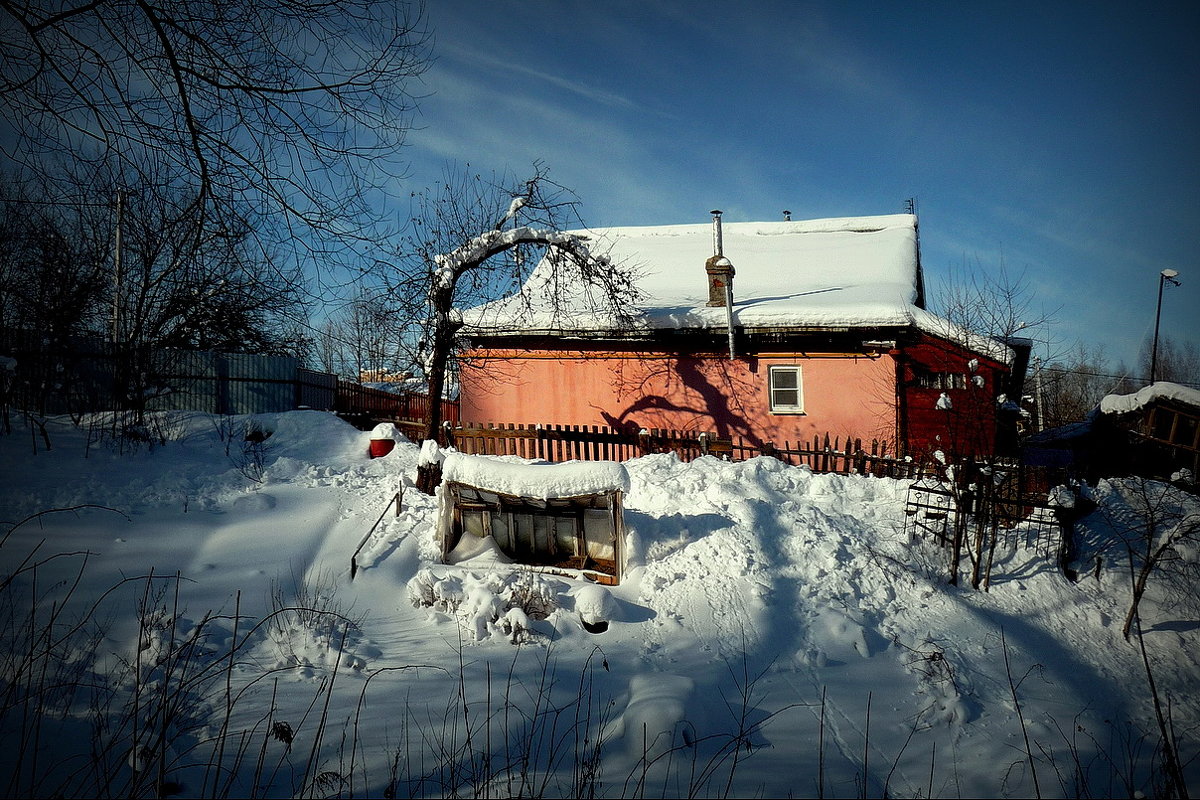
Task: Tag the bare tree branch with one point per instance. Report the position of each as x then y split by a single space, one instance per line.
463 253
290 113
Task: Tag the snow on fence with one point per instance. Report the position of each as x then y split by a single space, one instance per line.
843 456
599 442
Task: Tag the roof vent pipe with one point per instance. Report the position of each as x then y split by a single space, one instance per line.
787 215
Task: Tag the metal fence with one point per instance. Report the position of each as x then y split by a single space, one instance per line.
75 375
984 507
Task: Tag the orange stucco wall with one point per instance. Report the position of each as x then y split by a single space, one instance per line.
843 395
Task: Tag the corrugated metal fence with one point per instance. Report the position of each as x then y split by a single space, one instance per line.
79 375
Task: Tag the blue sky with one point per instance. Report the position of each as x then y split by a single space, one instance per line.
1060 140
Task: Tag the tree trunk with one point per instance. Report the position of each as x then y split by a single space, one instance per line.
960 533
430 475
1139 588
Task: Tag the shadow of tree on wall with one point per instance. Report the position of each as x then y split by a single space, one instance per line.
655 385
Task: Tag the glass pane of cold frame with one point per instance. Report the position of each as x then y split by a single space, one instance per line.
598 534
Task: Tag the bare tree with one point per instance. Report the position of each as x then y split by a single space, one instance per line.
54 264
978 301
1074 385
53 270
979 308
474 241
291 111
993 302
1178 361
362 338
186 282
189 283
1159 527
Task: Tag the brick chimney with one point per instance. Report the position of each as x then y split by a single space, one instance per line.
719 269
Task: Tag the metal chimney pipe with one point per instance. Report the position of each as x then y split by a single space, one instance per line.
729 316
717 245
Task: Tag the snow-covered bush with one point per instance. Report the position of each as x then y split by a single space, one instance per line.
308 624
488 604
247 444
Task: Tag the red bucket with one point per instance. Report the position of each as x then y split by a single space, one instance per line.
381 447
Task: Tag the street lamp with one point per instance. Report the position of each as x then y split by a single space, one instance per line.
1164 276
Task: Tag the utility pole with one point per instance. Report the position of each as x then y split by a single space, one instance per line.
1163 277
116 309
1037 383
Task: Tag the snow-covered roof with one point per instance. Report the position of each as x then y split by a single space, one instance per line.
1161 390
543 481
851 272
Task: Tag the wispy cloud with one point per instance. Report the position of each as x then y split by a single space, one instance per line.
482 59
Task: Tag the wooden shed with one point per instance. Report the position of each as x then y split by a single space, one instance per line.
562 517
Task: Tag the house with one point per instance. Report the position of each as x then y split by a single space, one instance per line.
770 331
1154 432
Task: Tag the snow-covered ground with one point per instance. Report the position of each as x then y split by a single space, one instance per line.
777 634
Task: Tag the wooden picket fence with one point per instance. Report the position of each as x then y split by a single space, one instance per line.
577 442
843 456
598 442
371 405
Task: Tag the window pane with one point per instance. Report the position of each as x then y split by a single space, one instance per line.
598 535
564 533
473 522
1185 431
542 535
501 533
523 533
785 391
1163 419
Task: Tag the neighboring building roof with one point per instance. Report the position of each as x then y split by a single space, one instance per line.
849 272
1155 392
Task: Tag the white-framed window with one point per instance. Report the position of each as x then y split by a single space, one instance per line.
786 389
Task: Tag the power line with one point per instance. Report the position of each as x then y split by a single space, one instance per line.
1090 374
69 204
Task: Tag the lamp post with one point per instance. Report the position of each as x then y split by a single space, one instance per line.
1163 277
